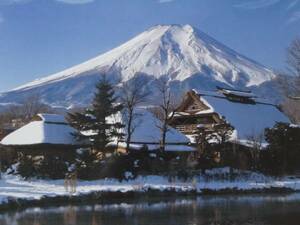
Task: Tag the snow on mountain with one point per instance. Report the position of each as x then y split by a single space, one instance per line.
188 57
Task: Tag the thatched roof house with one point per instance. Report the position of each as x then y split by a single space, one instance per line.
46 130
248 114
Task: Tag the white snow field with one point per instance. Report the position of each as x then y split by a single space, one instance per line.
14 187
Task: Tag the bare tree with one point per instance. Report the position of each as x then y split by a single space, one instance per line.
132 95
289 82
26 111
292 108
293 60
32 106
165 110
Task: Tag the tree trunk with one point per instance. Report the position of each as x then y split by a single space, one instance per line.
164 134
129 132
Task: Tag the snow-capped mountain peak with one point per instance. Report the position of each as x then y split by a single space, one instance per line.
177 51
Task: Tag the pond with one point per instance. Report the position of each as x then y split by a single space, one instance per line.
218 210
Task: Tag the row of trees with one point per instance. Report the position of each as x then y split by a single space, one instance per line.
281 156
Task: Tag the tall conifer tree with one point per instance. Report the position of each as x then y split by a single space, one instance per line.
94 122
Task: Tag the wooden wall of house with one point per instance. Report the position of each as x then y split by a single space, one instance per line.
187 124
188 115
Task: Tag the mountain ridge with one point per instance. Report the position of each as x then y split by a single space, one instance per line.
179 52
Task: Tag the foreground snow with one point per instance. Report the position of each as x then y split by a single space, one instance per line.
14 187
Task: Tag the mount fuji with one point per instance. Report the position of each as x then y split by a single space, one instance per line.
187 57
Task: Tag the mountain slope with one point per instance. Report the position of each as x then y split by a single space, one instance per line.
188 57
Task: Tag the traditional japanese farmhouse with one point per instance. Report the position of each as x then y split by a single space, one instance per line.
147 135
245 112
46 131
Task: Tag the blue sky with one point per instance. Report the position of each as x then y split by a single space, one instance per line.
40 37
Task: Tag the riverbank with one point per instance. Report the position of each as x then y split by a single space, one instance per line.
16 192
267 209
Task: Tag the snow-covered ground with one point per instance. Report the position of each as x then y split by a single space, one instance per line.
14 187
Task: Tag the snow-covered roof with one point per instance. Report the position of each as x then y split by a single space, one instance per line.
239 93
147 132
52 118
52 129
247 119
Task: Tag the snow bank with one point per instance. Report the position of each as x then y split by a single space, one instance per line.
215 180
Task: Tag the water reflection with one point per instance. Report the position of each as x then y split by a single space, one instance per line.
227 210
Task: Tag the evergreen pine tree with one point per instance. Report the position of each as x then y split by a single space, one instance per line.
94 121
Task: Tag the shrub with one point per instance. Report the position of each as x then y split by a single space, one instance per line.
26 167
88 165
52 167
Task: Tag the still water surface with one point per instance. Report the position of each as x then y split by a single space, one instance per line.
221 210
